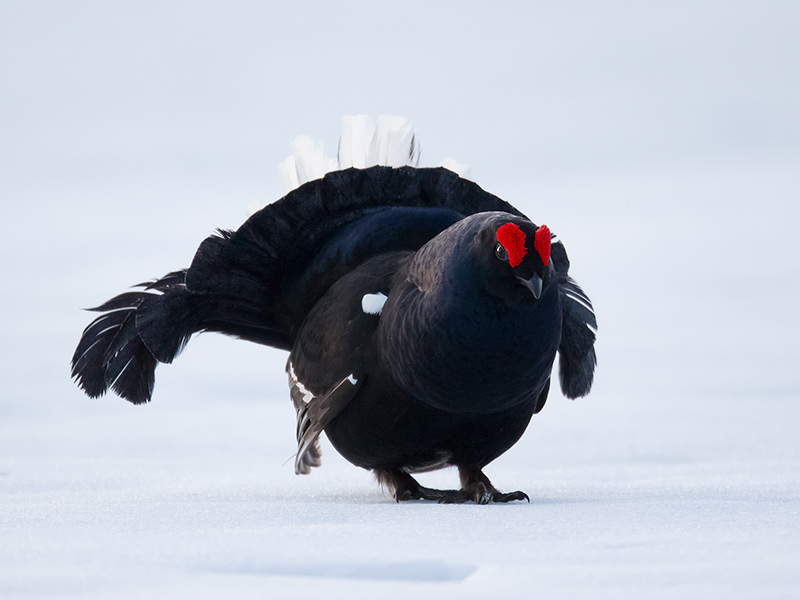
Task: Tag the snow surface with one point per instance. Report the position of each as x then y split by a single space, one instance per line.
662 145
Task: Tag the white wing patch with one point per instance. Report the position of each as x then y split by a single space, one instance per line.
372 304
295 384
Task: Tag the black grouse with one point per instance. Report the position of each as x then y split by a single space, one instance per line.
422 316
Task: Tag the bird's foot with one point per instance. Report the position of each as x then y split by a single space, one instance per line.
480 494
475 489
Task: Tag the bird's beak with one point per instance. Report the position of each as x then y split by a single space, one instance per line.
534 284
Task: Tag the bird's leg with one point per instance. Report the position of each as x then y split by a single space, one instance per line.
404 487
476 487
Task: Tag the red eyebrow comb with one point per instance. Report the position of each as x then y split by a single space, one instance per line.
513 240
542 243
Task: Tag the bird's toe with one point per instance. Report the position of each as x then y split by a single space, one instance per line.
510 496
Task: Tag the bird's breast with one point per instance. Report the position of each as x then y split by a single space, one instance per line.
463 355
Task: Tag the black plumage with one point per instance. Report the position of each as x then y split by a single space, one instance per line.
418 338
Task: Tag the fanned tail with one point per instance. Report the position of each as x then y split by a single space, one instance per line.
259 282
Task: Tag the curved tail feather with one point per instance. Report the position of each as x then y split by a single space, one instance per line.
120 349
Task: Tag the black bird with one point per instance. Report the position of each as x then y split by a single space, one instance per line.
422 316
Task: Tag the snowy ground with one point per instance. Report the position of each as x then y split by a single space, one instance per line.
662 145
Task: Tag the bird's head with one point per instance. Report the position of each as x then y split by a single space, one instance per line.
515 254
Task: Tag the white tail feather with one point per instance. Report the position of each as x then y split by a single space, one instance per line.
362 144
288 172
310 160
397 145
357 147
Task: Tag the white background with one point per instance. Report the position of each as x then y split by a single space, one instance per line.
661 141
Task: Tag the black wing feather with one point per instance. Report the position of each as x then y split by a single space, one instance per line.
326 366
577 358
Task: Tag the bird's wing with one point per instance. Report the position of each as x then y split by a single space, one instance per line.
329 360
577 358
314 412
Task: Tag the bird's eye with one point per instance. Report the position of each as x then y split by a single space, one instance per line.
500 252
